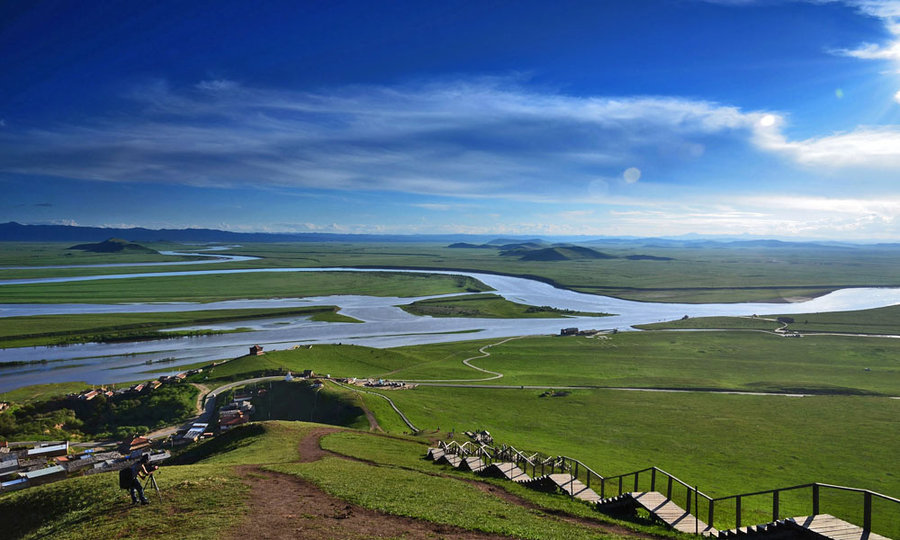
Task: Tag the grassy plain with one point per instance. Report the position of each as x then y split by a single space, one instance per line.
714 273
104 327
57 254
742 361
490 306
211 288
724 443
882 321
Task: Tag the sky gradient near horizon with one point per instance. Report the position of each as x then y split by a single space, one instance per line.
632 117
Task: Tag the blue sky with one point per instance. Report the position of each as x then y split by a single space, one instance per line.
646 118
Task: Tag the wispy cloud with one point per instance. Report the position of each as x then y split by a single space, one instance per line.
465 138
889 12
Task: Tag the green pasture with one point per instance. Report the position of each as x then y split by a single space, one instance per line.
211 288
747 361
883 321
694 274
725 444
42 392
62 329
58 254
743 361
490 306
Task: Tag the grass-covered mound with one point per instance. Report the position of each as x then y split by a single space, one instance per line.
490 306
114 245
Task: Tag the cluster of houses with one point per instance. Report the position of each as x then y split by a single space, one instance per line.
235 413
576 332
382 383
138 388
24 467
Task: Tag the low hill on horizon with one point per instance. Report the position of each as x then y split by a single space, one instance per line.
114 245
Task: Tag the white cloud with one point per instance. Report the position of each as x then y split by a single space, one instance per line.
897 96
867 147
889 12
470 138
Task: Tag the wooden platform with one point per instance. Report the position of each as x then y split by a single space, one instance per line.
828 526
507 470
471 463
663 509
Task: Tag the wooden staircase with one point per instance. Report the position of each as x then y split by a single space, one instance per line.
660 508
479 459
508 470
818 526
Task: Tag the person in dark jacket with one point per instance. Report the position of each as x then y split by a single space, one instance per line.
139 471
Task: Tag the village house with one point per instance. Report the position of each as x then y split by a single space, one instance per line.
256 350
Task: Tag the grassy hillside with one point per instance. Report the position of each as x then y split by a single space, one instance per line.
215 491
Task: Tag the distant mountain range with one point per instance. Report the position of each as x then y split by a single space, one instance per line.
17 232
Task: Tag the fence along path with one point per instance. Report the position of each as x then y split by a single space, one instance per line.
565 473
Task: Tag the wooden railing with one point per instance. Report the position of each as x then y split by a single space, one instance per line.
675 489
815 501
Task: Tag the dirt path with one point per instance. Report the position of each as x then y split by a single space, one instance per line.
311 450
203 391
284 506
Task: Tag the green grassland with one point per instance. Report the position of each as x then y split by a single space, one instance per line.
490 306
211 288
883 321
394 481
693 274
65 329
742 361
57 253
198 503
42 392
725 443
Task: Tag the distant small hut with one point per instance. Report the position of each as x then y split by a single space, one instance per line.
256 350
568 332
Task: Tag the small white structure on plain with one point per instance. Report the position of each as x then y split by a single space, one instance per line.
288 377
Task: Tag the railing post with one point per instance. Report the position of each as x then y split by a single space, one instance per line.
620 485
815 497
669 489
775 505
602 488
689 499
867 511
737 512
653 479
696 510
636 480
710 519
576 470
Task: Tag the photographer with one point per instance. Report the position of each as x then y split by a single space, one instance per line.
140 470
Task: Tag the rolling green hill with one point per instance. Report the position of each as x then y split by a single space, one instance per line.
113 245
275 476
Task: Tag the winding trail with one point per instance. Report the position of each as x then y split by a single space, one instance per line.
468 363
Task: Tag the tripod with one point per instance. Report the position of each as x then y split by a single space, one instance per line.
151 481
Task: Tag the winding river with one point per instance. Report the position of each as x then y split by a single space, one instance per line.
384 324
